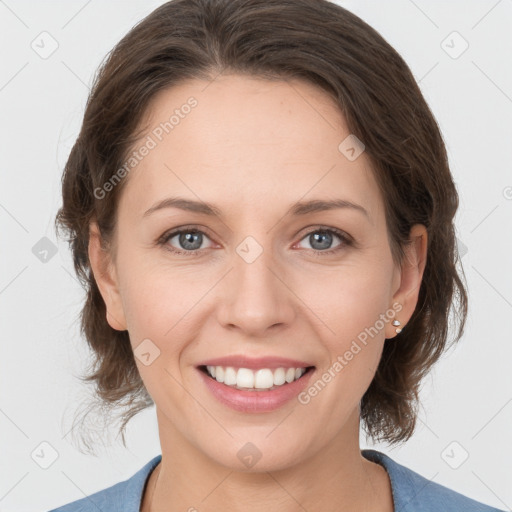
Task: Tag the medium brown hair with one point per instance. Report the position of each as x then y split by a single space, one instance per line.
325 45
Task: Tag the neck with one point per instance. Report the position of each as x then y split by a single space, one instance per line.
337 478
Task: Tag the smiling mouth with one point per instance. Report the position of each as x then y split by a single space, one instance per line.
245 379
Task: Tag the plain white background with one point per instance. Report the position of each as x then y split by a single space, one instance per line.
467 399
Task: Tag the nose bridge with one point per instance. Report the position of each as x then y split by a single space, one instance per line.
254 298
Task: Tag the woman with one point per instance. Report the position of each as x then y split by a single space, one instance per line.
260 206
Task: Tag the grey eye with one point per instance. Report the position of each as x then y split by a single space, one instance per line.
321 239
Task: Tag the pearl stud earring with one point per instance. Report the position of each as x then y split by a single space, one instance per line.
398 329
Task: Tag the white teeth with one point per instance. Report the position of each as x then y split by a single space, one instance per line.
279 377
263 379
219 373
290 375
245 378
230 376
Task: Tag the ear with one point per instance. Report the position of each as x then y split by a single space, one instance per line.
411 275
106 279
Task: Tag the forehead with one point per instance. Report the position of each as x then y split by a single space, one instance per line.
247 142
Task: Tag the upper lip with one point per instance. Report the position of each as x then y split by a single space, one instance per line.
243 361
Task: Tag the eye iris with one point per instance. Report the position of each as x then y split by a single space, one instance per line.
185 240
323 236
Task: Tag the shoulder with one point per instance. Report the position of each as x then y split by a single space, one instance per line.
414 492
122 497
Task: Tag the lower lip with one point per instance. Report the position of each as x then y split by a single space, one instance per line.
255 401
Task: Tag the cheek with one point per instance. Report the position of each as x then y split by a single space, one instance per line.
350 304
147 309
159 306
157 325
152 295
350 299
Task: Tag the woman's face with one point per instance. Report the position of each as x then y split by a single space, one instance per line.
268 279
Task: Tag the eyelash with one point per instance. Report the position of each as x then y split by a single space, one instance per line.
347 241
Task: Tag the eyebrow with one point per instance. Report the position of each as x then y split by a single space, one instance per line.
297 209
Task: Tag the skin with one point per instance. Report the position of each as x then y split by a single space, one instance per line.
253 148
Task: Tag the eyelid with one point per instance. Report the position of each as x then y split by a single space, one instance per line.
346 239
171 233
321 227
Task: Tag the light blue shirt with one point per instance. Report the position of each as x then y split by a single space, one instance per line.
411 492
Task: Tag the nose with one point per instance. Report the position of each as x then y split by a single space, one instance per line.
255 296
